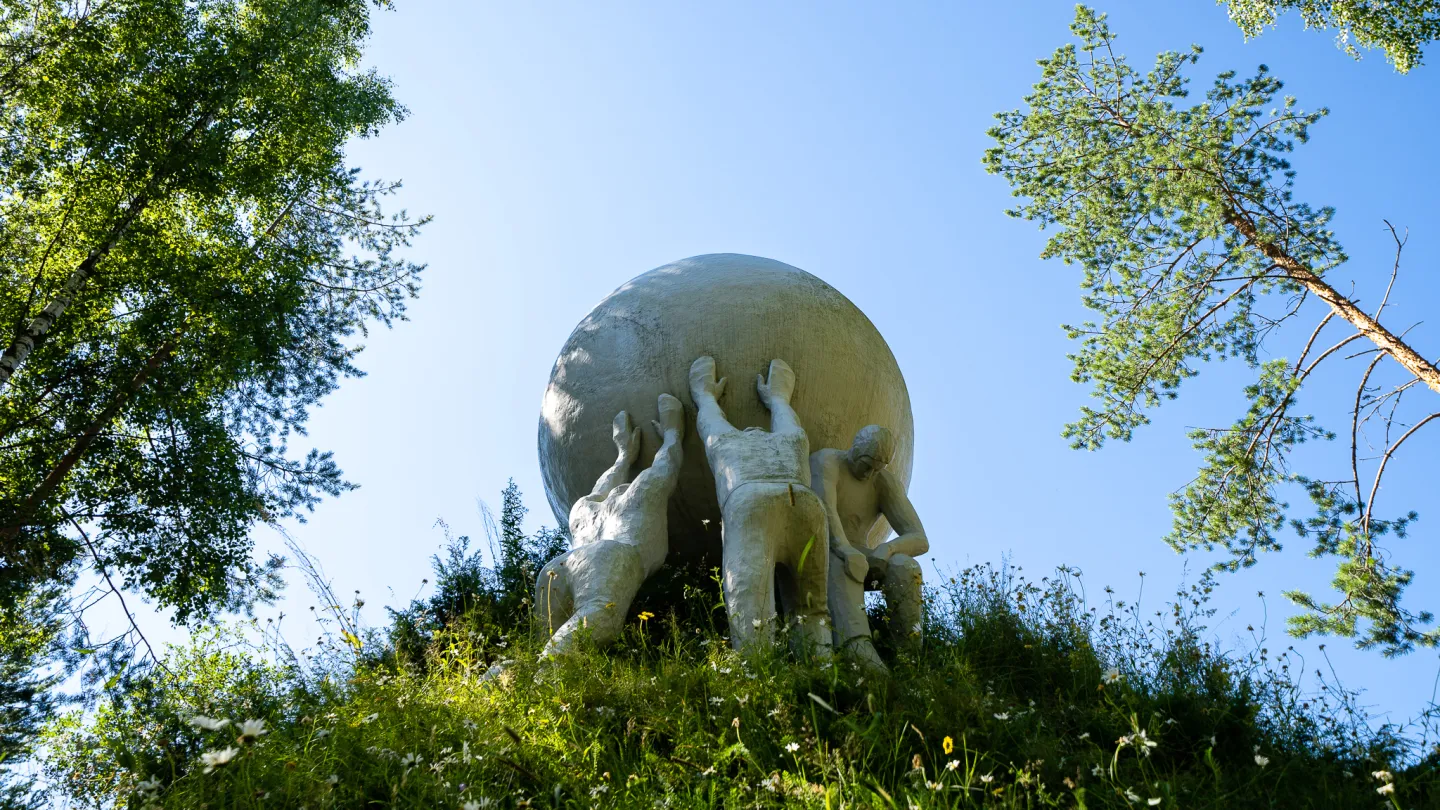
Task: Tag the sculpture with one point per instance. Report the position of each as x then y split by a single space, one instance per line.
743 311
773 525
618 537
858 490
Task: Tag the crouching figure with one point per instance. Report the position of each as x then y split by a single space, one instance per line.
773 525
619 538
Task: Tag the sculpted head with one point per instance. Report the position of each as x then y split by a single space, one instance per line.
871 452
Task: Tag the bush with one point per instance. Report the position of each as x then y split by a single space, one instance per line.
1021 696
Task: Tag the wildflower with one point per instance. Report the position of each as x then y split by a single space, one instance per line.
149 785
208 723
934 785
251 730
1143 742
710 771
645 616
333 779
1085 736
792 747
952 765
1132 795
1153 802
1262 760
1384 776
218 759
1002 715
322 733
916 764
370 718
735 723
1386 789
755 623
948 745
598 789
478 804
987 778
411 760
1096 771
1112 675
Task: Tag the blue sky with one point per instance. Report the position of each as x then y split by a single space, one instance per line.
565 148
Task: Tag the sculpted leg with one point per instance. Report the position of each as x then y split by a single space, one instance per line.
847 613
596 583
748 575
804 557
903 587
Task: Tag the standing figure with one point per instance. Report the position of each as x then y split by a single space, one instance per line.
773 525
619 538
857 489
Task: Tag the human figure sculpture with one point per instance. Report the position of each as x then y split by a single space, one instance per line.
857 489
772 524
619 538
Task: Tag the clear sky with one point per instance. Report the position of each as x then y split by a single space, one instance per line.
564 148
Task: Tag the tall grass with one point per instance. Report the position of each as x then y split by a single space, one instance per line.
1021 695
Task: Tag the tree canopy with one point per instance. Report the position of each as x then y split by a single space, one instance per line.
189 264
1192 247
1400 29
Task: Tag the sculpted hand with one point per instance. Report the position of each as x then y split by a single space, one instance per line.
702 379
878 561
627 439
672 416
779 386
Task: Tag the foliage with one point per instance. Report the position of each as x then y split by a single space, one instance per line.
1021 697
1193 249
188 264
467 591
1401 29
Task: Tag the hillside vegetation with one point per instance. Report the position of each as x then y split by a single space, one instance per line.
1021 696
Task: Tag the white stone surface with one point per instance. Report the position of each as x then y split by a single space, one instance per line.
618 538
743 311
774 525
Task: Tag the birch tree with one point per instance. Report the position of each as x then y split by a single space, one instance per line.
187 265
1181 214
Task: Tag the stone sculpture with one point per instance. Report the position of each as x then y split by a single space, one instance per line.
858 490
773 525
744 311
618 537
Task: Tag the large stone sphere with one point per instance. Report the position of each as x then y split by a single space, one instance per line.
743 311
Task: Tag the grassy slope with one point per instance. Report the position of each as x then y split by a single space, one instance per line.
1005 706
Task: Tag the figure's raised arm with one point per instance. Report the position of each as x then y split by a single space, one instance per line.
664 471
627 446
705 390
896 507
775 392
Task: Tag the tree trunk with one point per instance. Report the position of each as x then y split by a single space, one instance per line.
1383 338
82 445
40 326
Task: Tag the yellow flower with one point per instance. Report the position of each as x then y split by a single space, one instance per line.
646 615
949 745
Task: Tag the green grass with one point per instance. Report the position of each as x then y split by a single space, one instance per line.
1007 704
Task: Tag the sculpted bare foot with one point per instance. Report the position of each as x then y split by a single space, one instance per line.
779 386
672 416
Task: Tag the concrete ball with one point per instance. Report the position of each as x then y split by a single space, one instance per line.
743 311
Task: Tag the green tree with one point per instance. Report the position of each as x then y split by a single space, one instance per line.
188 266
1193 248
1401 28
188 261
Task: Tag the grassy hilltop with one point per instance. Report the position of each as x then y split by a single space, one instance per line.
1020 697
